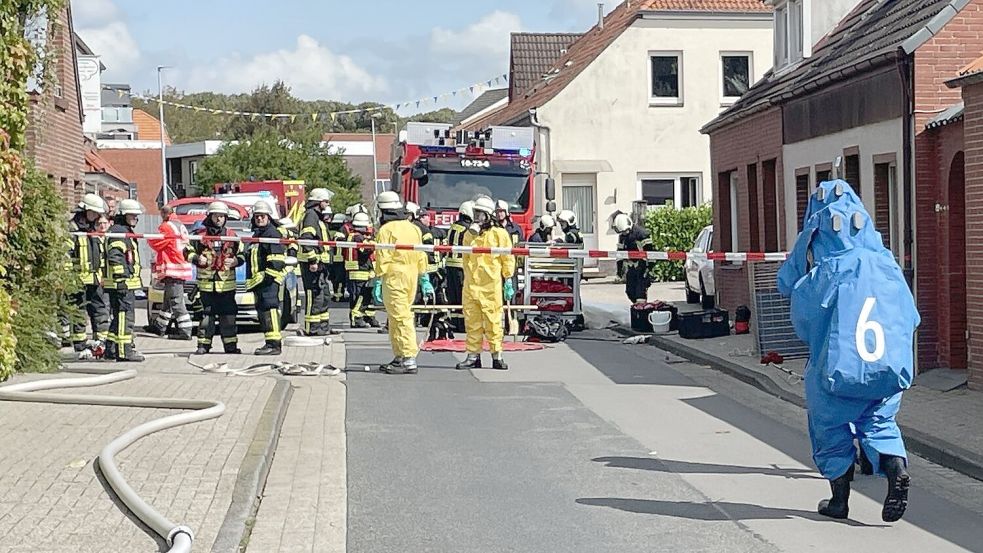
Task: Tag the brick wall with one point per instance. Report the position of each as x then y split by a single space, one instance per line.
140 166
973 134
750 141
54 133
937 61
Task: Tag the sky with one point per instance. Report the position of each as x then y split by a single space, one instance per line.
387 51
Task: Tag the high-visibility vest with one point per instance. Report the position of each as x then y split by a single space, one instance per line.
263 260
455 237
87 256
123 261
358 263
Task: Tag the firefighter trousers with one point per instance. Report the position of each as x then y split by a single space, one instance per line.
637 283
316 295
360 300
455 295
91 303
339 280
175 308
120 338
219 309
268 308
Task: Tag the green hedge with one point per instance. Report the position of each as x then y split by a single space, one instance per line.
675 230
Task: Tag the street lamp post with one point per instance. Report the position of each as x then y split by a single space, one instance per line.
160 112
375 161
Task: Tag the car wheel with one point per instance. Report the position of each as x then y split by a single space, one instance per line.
691 297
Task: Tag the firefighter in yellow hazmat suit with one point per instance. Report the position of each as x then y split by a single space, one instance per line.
398 273
487 282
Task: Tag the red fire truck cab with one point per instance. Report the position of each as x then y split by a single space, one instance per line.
439 169
288 195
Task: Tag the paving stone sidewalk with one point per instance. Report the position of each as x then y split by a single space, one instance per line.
51 497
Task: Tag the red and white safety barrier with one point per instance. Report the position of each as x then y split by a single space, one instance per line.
545 251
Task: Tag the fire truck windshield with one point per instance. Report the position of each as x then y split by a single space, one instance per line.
455 181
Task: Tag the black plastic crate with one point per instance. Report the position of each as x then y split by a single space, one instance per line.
712 323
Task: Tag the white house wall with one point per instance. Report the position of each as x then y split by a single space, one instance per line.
872 140
604 114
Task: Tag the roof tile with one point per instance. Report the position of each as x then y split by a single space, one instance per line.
706 5
532 54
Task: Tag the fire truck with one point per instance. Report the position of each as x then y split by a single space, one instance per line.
439 169
287 195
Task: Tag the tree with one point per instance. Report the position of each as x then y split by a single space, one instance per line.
269 156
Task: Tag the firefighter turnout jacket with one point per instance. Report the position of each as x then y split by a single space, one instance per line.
87 255
123 261
215 276
455 237
265 260
313 228
358 262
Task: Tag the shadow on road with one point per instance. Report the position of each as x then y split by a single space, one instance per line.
686 467
717 511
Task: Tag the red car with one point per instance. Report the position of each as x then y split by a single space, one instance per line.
191 210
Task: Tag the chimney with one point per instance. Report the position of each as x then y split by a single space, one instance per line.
600 16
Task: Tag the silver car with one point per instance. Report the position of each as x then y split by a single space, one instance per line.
699 272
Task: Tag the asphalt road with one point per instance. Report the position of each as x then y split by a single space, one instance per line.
596 446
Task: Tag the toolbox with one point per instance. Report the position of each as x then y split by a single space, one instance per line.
640 315
712 323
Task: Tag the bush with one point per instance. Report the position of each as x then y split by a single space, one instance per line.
38 278
675 230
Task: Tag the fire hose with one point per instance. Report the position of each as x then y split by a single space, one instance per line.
179 537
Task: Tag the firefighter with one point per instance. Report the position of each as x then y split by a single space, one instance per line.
172 271
504 218
544 230
358 264
431 236
455 261
571 232
487 282
311 259
265 271
635 271
338 228
123 277
216 261
87 263
399 273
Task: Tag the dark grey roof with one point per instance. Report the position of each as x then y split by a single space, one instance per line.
951 114
869 36
532 55
482 102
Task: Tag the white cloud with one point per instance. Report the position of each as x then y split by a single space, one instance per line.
310 69
101 25
484 40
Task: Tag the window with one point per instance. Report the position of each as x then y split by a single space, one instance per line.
790 38
656 192
736 75
658 188
666 71
735 212
823 173
193 169
851 171
690 191
802 191
754 226
769 185
724 199
580 200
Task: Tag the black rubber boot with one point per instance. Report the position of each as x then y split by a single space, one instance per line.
393 366
898 482
371 321
866 468
131 355
79 347
202 350
182 336
500 364
838 505
472 362
232 350
271 348
360 323
155 330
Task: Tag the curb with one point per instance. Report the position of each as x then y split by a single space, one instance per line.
253 472
924 445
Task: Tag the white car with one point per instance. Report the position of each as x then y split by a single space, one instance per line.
699 272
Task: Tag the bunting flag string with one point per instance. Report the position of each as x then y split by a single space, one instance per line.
473 89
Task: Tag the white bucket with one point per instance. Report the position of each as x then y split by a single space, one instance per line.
660 321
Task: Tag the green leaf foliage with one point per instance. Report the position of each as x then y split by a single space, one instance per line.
675 230
270 156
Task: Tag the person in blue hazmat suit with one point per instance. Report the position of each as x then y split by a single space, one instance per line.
852 306
398 273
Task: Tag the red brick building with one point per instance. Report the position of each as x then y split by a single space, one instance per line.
853 96
54 131
138 160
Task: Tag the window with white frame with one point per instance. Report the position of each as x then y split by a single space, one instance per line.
658 189
666 78
735 73
789 32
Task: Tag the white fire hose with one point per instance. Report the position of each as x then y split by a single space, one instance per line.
179 538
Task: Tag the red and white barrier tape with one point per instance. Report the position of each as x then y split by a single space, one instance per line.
544 251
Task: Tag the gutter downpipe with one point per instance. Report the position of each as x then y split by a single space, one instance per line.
547 157
906 69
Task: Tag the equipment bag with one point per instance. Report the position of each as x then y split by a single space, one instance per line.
547 328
